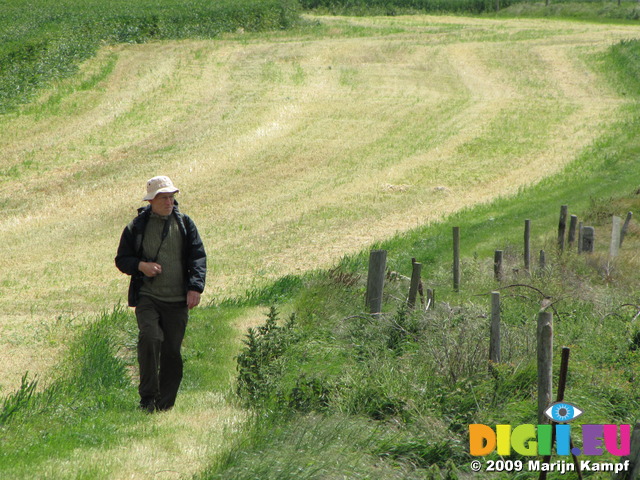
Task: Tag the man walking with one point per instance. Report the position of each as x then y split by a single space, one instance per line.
162 251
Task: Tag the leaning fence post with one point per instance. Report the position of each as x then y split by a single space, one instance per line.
545 362
625 227
456 258
375 280
527 245
614 246
494 343
415 283
562 226
497 265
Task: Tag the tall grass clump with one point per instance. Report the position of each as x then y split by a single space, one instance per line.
624 60
86 405
20 400
42 40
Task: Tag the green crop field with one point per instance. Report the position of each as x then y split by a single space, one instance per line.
292 149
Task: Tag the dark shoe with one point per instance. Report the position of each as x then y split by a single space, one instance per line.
163 408
148 406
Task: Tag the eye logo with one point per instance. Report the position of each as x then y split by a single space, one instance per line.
563 412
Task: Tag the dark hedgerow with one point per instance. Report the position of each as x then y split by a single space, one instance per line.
394 7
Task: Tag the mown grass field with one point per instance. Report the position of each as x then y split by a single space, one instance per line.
292 149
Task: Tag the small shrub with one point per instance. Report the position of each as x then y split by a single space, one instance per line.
257 363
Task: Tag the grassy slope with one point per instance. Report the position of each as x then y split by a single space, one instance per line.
382 400
157 424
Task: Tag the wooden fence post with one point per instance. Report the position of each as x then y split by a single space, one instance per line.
375 280
527 245
562 226
494 343
588 239
562 383
456 258
573 223
415 283
580 227
616 230
545 362
543 260
625 227
497 266
431 298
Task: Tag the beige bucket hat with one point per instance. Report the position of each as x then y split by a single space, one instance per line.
160 184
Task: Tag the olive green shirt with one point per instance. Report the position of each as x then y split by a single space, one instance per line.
169 286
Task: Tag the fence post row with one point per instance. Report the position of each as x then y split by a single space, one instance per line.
375 280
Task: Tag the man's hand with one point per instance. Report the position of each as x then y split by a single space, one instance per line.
150 269
193 299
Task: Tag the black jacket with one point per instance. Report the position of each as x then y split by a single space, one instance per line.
130 252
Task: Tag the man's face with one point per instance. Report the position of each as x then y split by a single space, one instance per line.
162 204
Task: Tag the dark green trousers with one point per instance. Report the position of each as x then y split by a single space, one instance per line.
161 328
